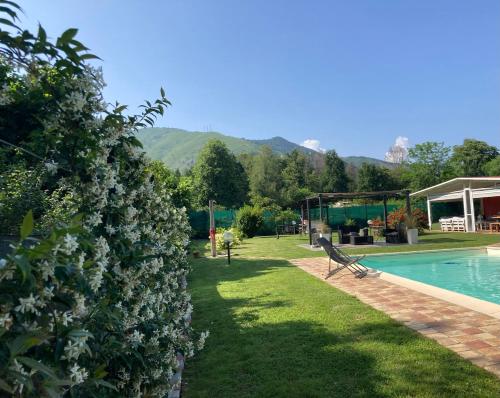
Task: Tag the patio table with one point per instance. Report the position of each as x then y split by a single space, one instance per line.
494 226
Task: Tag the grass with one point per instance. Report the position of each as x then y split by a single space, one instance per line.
276 331
288 246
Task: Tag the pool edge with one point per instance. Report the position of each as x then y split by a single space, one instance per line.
472 303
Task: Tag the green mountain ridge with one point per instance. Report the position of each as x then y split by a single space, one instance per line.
178 148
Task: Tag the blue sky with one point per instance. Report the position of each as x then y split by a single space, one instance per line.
353 75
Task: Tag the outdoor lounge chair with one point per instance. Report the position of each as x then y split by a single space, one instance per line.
343 260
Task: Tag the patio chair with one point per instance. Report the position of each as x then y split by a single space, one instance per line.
458 224
343 260
446 224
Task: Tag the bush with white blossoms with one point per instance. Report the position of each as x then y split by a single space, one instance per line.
99 306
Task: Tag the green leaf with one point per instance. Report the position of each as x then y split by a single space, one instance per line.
105 384
162 92
67 36
23 343
31 363
23 264
88 56
80 333
4 386
100 372
27 225
42 35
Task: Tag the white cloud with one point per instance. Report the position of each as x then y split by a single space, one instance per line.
313 144
402 142
398 152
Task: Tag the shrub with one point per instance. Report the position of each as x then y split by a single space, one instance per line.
98 307
219 238
249 219
398 216
20 190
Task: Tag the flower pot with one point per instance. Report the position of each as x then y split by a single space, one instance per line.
412 235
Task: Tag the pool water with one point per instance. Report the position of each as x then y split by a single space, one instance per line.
470 272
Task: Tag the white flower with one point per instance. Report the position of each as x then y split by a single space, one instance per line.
110 229
28 304
70 244
48 293
203 337
78 375
5 321
94 219
81 261
135 338
67 317
51 167
3 263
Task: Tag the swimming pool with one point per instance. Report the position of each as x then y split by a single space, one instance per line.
470 272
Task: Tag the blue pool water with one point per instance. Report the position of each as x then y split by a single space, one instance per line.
470 272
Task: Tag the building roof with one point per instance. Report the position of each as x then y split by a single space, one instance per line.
457 184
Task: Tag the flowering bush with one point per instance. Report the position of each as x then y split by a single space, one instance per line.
98 306
398 216
219 238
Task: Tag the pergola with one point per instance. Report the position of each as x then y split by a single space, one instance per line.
321 199
465 189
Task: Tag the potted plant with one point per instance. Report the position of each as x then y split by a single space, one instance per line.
350 225
325 231
411 230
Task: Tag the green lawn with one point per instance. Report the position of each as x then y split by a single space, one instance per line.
276 331
288 246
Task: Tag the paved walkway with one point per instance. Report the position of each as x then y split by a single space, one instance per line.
472 335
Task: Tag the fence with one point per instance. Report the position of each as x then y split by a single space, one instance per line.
334 216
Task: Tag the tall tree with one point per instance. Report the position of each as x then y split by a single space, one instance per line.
265 174
492 168
179 187
374 178
428 164
218 175
334 177
469 159
296 175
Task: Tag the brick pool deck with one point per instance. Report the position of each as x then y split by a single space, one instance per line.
472 335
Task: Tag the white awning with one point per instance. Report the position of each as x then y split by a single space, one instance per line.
452 190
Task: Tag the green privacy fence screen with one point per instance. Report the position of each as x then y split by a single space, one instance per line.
335 216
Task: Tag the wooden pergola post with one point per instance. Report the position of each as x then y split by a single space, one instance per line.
301 218
408 203
320 208
309 222
385 211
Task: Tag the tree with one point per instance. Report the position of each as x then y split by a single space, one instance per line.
334 177
492 168
375 178
428 164
297 176
180 188
469 159
265 175
219 176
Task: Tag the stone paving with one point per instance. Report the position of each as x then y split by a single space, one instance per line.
472 335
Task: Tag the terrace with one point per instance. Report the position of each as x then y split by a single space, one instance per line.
480 197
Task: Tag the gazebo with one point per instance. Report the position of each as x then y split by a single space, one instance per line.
320 199
484 191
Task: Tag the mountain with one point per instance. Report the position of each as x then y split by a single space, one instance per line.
357 161
179 148
280 145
